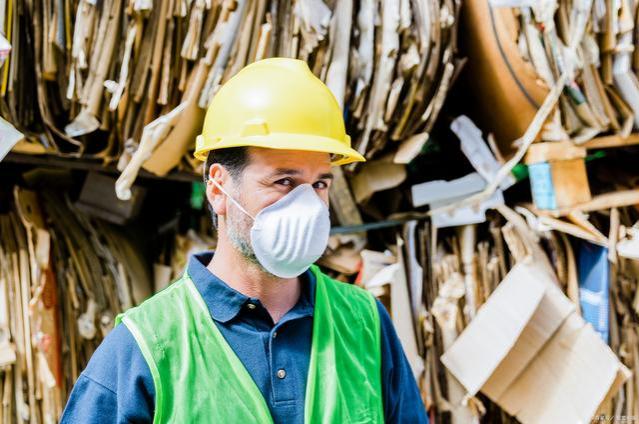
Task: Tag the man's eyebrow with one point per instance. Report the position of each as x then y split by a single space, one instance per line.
326 176
293 172
285 171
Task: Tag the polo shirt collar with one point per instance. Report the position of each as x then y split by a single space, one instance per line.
225 303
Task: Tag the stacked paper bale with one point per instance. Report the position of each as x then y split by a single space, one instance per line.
114 80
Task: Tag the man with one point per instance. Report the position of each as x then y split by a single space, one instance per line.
254 333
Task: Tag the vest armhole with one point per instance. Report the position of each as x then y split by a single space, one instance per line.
155 373
378 330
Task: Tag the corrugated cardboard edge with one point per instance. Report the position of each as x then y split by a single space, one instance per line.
494 331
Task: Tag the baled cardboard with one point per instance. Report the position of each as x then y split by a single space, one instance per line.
530 352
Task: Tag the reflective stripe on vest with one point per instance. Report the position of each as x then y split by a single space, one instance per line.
198 377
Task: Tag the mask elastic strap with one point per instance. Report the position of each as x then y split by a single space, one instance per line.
235 202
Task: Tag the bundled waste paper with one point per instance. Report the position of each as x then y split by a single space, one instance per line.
499 225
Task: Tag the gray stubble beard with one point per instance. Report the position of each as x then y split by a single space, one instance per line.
238 228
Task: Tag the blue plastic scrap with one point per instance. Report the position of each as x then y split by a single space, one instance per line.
541 185
594 286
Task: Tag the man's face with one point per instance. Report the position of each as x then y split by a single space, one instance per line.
269 175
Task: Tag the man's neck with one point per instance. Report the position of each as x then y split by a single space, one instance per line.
278 295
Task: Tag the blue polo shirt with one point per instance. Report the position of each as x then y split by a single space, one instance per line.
117 387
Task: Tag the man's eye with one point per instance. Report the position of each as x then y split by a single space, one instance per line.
320 185
287 182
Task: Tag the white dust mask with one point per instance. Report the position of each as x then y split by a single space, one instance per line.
289 235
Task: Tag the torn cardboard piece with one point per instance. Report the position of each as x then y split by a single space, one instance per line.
477 151
410 148
439 194
628 247
9 136
558 176
341 257
568 380
519 300
553 151
376 176
559 184
372 263
533 354
466 215
442 191
401 313
394 275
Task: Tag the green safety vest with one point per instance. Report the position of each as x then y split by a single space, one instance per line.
198 377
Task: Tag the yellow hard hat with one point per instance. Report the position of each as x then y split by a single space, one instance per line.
276 103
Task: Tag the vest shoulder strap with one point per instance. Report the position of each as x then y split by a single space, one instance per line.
184 348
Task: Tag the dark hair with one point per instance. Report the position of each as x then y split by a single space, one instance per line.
233 159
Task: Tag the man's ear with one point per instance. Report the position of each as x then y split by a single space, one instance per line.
215 196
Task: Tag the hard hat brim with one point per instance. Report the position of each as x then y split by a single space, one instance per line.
311 143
